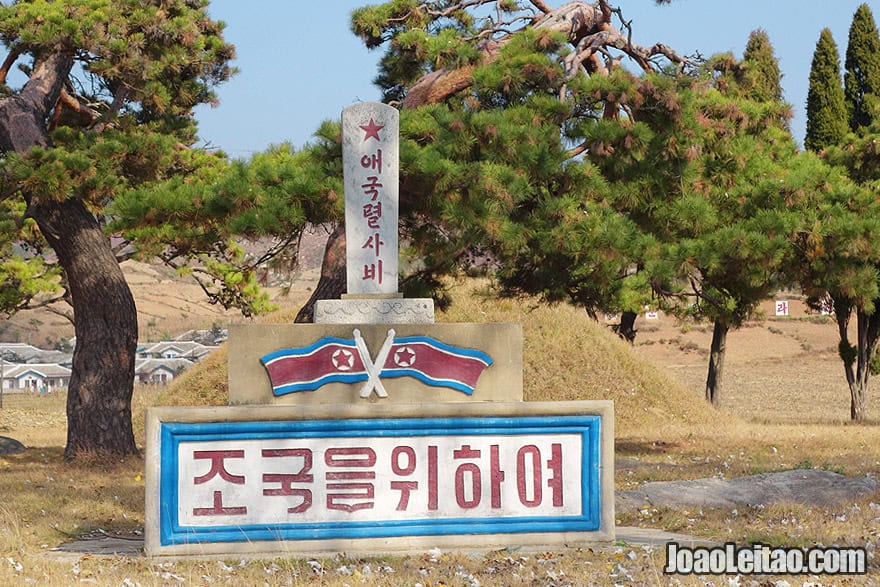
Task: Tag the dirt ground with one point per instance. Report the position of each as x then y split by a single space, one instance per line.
778 369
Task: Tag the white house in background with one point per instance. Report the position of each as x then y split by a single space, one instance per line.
159 371
19 352
35 377
173 349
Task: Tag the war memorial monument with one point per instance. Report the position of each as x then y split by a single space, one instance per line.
375 429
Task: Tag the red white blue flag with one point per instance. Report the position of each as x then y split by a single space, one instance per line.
339 360
328 360
436 363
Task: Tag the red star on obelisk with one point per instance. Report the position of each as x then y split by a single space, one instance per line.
371 130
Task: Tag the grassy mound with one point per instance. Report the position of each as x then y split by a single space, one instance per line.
567 356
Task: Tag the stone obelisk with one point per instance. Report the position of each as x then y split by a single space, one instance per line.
370 164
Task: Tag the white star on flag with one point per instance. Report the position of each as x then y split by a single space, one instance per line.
343 360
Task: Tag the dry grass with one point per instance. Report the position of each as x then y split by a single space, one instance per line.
664 431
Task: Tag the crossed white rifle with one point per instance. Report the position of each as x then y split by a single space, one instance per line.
373 369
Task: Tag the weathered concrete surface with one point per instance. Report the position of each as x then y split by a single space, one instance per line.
370 169
10 446
807 486
375 311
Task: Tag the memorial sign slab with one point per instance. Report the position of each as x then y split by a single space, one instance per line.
370 147
376 479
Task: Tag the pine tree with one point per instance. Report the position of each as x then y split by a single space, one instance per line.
862 69
826 107
482 104
827 130
737 174
848 274
585 182
106 105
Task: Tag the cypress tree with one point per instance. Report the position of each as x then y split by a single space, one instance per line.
826 108
764 77
862 77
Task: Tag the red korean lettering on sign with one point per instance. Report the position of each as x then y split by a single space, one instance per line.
373 212
371 188
479 476
218 468
403 464
286 481
468 479
350 483
373 242
373 271
373 161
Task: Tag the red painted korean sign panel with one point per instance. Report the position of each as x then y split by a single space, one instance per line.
323 479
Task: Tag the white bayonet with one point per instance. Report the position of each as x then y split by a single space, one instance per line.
374 369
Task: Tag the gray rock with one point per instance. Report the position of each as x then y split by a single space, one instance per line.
10 446
807 486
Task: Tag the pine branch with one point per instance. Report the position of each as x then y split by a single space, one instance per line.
8 63
542 6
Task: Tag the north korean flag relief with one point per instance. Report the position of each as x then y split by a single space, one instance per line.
339 360
436 363
328 360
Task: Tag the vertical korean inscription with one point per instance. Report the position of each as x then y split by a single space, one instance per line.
370 147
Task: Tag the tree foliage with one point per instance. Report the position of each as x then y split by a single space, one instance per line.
102 104
862 69
840 248
826 107
582 180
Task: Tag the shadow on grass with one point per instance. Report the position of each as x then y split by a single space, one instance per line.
52 501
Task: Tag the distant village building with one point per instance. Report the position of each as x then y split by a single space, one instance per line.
159 371
26 368
37 378
211 337
174 349
19 352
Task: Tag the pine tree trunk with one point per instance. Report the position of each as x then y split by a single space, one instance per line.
105 324
105 318
868 335
627 327
333 281
858 405
716 362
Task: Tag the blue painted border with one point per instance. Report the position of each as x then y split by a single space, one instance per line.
173 433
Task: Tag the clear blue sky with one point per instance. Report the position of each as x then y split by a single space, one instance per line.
300 64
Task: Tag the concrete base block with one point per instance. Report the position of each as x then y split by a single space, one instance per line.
249 381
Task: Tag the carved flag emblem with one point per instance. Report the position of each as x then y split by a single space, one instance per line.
339 360
328 360
436 363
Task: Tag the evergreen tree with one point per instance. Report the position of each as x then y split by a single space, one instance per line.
841 249
585 182
826 108
106 105
195 222
839 256
486 106
830 266
862 69
762 68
